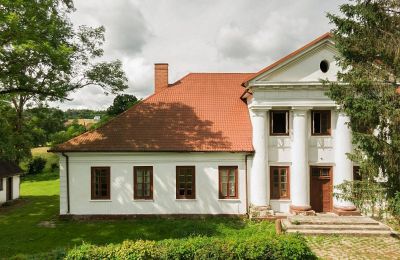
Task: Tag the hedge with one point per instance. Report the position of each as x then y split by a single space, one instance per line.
259 246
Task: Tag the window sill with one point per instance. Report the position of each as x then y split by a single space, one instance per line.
184 200
101 200
281 200
142 200
230 200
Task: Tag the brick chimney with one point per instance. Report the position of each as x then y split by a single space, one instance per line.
160 77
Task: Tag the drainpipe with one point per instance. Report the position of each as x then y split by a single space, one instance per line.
67 173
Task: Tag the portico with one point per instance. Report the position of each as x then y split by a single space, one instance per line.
312 152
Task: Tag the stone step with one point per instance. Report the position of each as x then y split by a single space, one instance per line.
332 220
288 225
343 232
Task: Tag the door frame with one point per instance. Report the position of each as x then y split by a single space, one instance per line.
9 188
322 178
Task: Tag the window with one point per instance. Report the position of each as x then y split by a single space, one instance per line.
280 182
100 183
324 66
321 122
356 173
321 172
1 184
143 182
228 182
279 123
185 182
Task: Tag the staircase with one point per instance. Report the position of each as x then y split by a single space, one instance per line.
332 224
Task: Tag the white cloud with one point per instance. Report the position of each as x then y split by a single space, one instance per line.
197 36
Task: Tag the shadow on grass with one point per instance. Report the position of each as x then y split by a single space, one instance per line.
45 176
23 231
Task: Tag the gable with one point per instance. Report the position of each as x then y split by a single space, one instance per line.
305 67
300 66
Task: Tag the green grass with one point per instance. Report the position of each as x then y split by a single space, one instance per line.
21 234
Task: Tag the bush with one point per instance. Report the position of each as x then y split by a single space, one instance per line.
54 167
36 165
395 207
258 246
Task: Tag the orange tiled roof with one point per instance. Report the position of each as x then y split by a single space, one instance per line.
200 112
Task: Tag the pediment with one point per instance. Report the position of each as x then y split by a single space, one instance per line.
303 66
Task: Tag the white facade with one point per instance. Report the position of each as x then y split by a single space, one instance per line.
293 85
164 184
15 188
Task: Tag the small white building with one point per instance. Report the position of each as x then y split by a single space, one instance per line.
9 181
218 143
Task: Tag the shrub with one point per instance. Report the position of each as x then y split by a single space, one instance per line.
36 165
395 207
258 246
53 167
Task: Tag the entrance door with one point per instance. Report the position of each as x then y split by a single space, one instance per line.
9 190
321 188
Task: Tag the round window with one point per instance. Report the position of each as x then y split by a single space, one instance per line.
324 66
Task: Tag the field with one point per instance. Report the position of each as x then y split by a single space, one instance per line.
31 226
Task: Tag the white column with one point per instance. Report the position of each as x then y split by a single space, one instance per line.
258 178
299 171
344 167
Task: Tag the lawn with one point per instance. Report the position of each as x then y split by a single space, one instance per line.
31 226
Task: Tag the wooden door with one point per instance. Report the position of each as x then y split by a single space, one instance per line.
321 189
9 188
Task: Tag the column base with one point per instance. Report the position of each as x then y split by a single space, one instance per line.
302 210
346 211
260 212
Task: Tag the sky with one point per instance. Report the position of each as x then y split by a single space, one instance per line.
196 36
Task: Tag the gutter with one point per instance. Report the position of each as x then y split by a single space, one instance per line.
67 173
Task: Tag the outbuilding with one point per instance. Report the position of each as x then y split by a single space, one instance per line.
9 181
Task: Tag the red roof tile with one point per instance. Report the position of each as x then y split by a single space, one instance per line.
200 112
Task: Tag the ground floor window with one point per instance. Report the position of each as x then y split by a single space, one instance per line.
143 182
185 182
1 183
280 182
100 183
356 173
228 182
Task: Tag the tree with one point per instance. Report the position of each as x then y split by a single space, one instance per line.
43 57
121 103
10 143
43 121
367 35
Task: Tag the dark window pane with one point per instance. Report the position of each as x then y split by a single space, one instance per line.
279 122
317 123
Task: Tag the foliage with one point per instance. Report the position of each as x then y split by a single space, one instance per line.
43 122
367 35
367 195
72 131
44 57
36 165
121 103
9 143
257 246
83 113
395 207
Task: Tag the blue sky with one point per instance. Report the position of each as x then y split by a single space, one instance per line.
196 36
